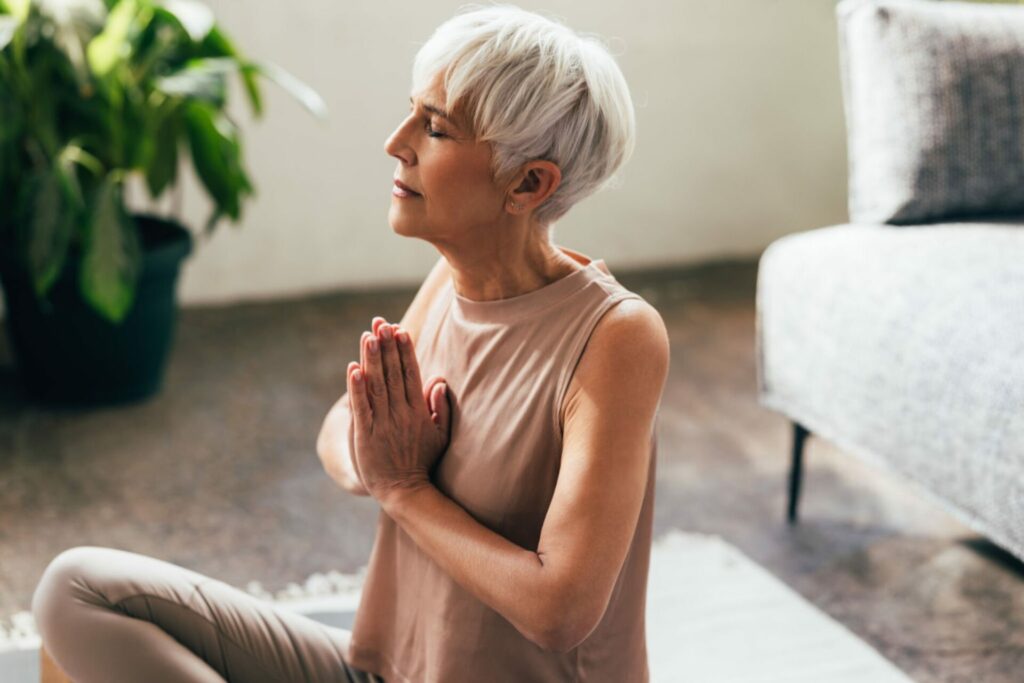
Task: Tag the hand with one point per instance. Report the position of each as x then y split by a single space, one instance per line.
334 447
400 427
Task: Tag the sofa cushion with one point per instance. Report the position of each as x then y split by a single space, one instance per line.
934 102
905 346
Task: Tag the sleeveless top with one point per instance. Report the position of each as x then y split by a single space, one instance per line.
508 364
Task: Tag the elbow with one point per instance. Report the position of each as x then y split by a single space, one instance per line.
353 487
558 642
566 626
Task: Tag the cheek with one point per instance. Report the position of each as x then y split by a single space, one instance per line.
459 188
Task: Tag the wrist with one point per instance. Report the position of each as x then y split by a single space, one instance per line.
397 497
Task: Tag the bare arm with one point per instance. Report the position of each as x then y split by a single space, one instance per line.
555 596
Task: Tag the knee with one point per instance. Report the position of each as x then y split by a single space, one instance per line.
64 579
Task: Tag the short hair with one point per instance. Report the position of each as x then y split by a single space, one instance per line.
534 89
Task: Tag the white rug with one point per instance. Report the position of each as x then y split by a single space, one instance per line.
713 616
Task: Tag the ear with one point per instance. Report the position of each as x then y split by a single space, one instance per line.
536 181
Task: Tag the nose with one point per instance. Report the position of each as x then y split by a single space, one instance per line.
397 146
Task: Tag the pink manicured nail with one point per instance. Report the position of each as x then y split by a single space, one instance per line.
372 344
403 337
357 376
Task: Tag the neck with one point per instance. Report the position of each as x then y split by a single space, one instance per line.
519 262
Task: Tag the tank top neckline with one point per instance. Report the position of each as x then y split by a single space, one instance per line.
506 310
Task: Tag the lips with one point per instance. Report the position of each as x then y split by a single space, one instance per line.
402 186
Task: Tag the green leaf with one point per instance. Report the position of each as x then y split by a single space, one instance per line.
201 75
74 153
112 46
163 167
46 222
216 153
135 126
252 88
111 264
306 96
217 43
200 79
71 155
211 222
17 8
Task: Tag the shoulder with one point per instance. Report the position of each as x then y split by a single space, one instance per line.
628 351
632 320
631 334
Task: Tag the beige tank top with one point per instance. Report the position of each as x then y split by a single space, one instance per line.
508 364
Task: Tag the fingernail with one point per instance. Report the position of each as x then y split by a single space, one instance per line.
385 331
373 344
403 337
357 376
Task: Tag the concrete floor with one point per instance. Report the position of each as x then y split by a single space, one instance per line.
219 473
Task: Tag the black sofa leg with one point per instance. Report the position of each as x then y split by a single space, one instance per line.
796 470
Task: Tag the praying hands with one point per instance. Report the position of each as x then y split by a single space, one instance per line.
400 426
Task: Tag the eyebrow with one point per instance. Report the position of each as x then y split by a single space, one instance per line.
434 110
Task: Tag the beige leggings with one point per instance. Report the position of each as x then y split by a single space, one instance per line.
108 615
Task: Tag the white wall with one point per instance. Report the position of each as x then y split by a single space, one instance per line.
741 139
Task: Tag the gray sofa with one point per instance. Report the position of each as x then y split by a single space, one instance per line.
899 336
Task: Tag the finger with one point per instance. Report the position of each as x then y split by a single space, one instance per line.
428 392
411 371
355 393
376 323
392 363
362 412
444 408
362 349
373 373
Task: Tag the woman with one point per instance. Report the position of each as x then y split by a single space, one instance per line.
516 483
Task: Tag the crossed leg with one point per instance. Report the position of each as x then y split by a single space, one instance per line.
108 615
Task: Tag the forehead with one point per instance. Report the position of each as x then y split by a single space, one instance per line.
428 103
431 98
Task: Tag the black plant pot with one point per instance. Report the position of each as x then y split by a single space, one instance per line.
66 353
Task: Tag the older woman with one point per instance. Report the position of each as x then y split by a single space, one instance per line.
516 483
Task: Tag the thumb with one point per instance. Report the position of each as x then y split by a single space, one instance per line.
428 392
442 406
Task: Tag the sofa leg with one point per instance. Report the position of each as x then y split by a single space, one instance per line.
49 672
796 470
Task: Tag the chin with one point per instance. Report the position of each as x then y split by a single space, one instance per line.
402 225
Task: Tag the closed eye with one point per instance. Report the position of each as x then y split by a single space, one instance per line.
430 131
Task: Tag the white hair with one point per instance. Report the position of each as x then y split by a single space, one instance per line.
534 89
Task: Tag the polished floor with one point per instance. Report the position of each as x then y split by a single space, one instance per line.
219 473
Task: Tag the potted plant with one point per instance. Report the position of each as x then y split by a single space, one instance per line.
92 93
